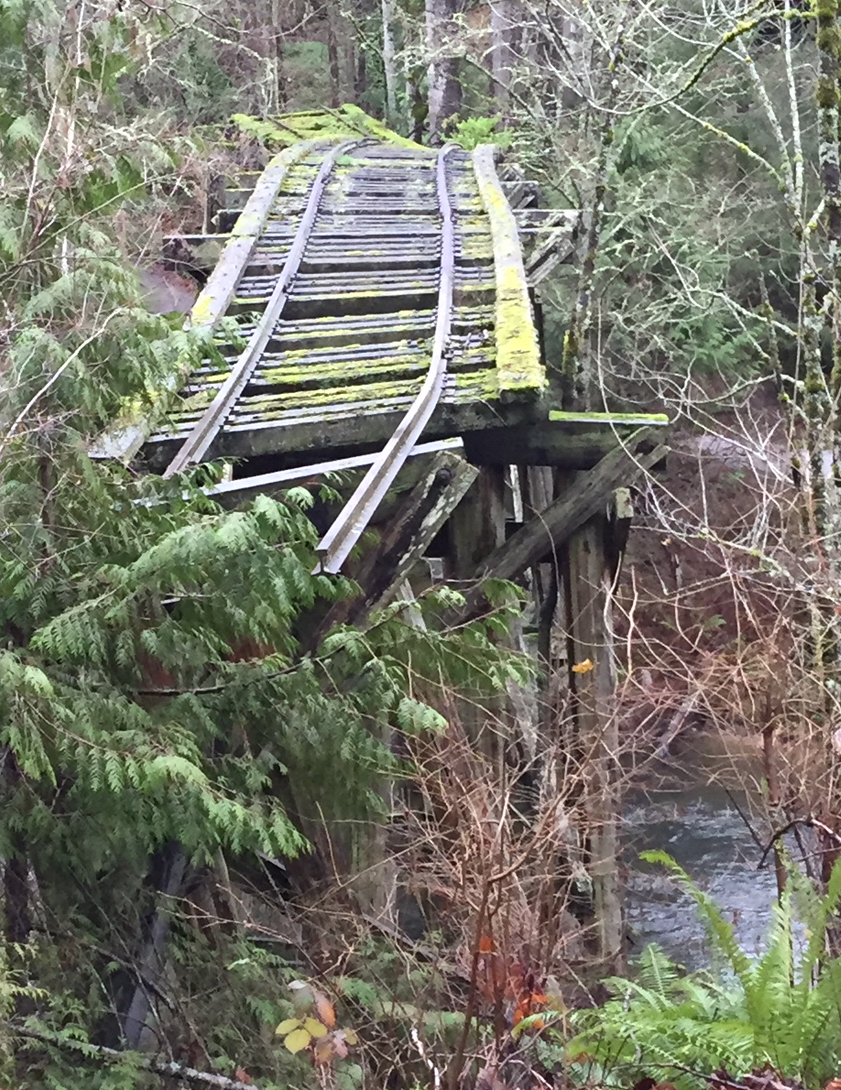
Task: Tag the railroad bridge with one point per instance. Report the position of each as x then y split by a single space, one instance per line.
385 313
386 323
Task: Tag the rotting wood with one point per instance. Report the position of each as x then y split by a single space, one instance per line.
518 365
126 438
557 249
575 442
429 505
199 441
243 488
409 533
586 496
477 527
589 577
340 538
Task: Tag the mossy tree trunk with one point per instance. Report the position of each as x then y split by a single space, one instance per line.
820 311
817 399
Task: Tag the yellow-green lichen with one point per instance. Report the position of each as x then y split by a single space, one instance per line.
518 367
643 419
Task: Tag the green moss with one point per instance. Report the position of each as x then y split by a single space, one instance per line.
333 373
519 369
653 419
331 397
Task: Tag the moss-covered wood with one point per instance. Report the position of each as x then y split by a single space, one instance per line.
519 367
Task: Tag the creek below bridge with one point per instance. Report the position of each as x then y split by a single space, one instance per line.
697 813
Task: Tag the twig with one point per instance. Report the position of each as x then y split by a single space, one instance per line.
160 1067
810 823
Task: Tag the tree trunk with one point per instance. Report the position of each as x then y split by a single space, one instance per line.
389 71
503 24
444 92
821 495
333 62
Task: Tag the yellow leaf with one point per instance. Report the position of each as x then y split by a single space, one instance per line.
287 1025
350 1036
297 1040
583 667
315 1028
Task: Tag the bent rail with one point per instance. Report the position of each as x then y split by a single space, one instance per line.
360 508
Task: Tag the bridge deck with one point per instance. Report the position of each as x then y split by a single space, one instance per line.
374 293
352 348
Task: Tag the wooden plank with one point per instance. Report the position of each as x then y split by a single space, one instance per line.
337 543
477 528
573 441
519 367
128 435
587 495
406 539
243 489
590 633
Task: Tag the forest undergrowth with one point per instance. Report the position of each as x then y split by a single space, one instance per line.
231 859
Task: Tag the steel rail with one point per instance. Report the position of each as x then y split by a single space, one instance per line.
197 443
354 517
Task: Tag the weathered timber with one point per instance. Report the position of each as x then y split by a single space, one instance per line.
347 426
573 441
556 249
477 527
518 364
343 534
197 444
586 496
127 436
588 575
406 537
620 516
193 252
241 489
166 873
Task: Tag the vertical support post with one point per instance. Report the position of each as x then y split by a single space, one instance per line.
477 526
593 680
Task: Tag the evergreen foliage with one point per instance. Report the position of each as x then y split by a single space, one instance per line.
781 1010
153 689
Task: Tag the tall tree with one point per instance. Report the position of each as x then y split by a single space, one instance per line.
444 90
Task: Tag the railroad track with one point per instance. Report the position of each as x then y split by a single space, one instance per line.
369 293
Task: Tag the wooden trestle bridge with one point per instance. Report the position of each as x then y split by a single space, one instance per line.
387 324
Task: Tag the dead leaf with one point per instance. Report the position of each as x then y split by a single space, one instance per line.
583 667
324 1009
324 1051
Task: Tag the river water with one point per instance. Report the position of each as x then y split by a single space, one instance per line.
703 830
